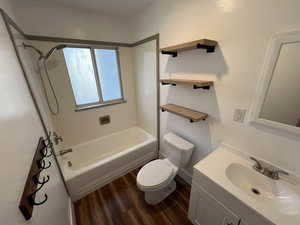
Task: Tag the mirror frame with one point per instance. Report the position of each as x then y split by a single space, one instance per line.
268 68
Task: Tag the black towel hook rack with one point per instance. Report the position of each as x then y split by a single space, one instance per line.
35 181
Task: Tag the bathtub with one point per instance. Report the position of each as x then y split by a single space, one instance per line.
96 163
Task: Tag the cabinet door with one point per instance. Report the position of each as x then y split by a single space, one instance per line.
208 211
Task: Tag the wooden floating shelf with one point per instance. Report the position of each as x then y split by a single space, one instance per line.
190 114
196 83
207 44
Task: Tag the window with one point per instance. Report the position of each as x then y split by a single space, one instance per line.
94 75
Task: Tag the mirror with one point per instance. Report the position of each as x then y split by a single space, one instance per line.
278 103
282 102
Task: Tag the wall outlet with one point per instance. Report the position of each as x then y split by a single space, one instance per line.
104 120
239 115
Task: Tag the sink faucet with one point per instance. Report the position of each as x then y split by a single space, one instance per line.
272 173
257 166
65 151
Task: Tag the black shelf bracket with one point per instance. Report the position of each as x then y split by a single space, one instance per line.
164 83
209 49
174 54
203 87
192 121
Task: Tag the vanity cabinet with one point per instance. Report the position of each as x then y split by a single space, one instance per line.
226 190
206 210
210 204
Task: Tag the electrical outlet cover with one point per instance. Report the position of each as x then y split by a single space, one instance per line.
239 115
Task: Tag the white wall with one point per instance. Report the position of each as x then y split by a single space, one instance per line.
82 126
144 58
21 128
56 20
243 29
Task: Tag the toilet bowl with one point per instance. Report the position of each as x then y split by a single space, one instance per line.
156 178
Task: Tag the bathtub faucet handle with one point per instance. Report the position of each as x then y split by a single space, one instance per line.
57 139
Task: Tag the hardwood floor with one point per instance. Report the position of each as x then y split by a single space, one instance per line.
122 203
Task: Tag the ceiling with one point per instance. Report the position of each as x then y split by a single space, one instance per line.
110 7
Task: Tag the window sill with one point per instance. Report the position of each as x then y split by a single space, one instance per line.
78 109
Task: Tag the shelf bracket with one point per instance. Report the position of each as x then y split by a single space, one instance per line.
174 54
164 83
209 49
192 121
203 87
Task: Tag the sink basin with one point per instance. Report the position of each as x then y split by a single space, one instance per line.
279 194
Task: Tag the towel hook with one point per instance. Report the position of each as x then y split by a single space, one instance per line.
31 197
42 164
45 154
48 140
37 181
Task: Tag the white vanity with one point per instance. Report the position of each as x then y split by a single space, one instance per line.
227 190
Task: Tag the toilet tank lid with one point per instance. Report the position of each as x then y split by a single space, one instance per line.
178 142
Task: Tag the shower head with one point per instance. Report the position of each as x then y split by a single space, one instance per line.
58 47
41 54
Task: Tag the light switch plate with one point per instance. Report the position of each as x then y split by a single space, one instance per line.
239 115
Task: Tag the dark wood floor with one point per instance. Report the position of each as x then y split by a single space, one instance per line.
121 203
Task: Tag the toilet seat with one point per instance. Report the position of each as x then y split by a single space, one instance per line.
154 175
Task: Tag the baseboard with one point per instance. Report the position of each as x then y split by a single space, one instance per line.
185 175
72 216
89 188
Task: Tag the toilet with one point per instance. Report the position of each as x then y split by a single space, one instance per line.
156 178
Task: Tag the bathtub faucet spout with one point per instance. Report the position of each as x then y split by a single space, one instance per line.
65 151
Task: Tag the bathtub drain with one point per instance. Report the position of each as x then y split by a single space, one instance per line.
255 191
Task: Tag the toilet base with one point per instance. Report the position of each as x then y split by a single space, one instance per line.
155 197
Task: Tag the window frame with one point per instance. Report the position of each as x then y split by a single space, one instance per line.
101 102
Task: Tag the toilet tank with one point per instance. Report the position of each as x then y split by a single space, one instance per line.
178 150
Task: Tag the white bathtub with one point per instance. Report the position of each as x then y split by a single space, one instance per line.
100 161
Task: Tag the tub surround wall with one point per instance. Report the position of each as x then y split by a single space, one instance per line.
144 66
69 23
81 126
21 129
243 30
